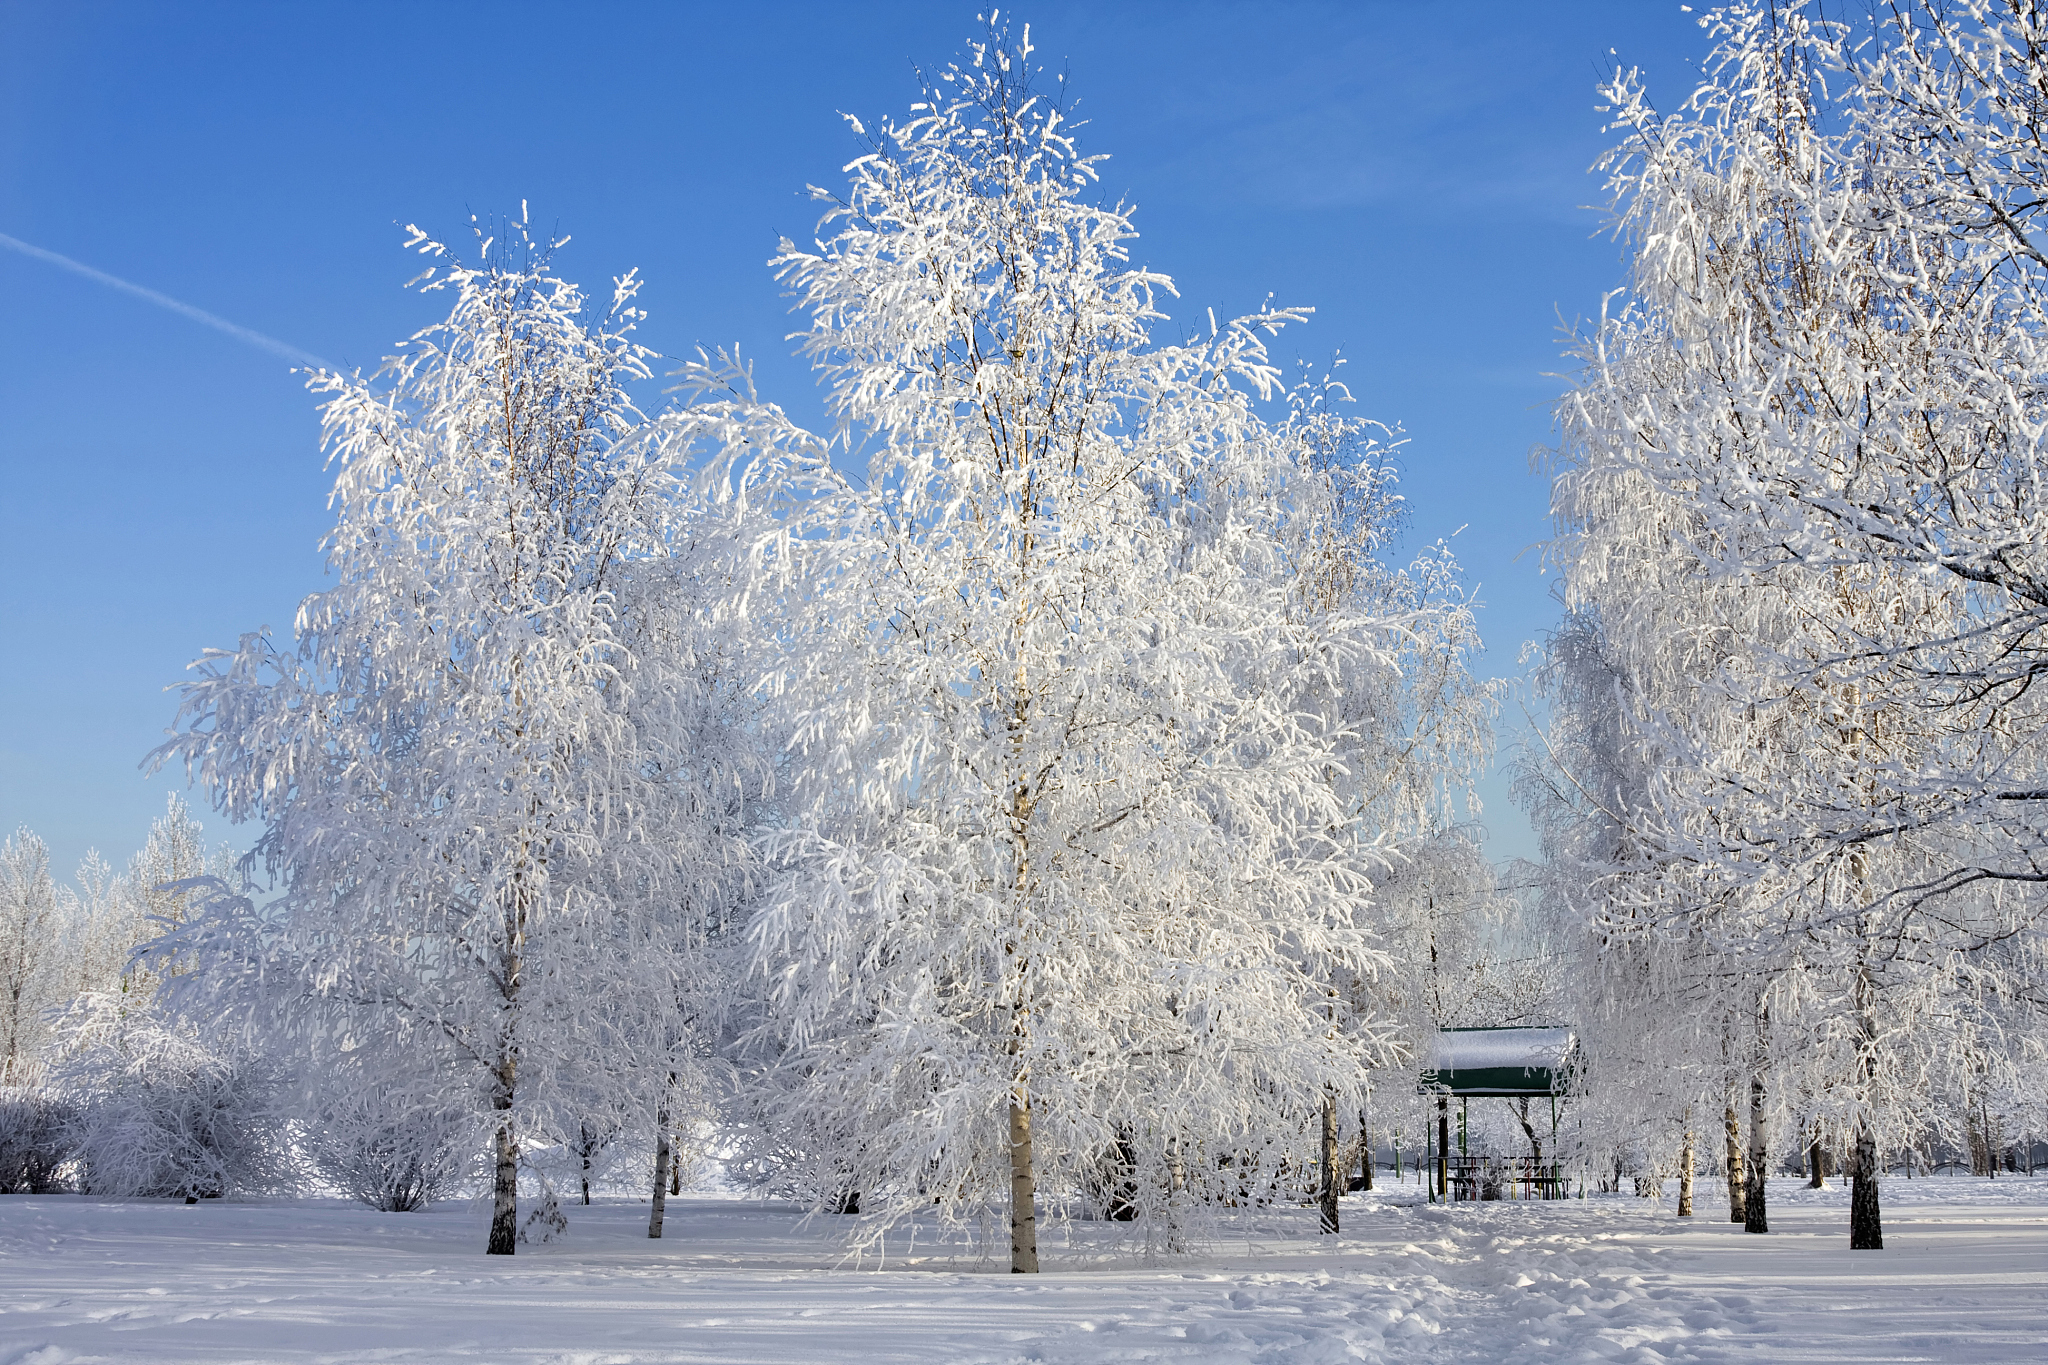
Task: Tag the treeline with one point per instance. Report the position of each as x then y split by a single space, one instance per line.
79 1019
1792 798
1061 812
1047 790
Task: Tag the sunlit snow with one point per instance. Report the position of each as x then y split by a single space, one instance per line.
1964 1279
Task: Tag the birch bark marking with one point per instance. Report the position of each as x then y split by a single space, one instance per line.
1866 1223
1685 1172
1866 1226
664 1162
662 1157
1331 1164
1023 1180
1753 1210
504 1237
1023 1191
1731 1134
1023 1176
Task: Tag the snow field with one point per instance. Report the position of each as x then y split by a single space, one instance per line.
1611 1278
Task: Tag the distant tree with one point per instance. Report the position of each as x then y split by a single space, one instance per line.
31 953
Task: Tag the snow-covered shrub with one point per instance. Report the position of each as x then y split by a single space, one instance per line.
387 1150
167 1107
35 1130
546 1221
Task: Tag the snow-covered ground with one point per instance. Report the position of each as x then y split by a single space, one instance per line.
1614 1278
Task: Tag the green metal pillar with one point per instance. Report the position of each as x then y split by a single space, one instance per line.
1443 1147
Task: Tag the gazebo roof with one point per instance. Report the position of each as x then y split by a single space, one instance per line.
1533 1060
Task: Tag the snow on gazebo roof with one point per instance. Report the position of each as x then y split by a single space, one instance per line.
1533 1060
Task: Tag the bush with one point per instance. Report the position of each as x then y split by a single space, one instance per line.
392 1155
36 1126
164 1109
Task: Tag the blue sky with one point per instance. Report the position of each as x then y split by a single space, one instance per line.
1415 172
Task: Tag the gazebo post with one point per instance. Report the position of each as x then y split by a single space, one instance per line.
1365 1136
1428 1168
1555 1164
1443 1146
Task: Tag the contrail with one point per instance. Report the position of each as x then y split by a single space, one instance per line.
239 333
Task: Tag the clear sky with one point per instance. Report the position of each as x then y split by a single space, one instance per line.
1416 172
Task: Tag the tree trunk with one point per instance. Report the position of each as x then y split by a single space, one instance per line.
1866 1228
1023 1179
675 1166
662 1158
1816 1162
504 1239
1365 1152
1023 1192
1521 1114
1732 1133
1122 1173
1333 1177
504 1180
1685 1176
1176 1192
1753 1211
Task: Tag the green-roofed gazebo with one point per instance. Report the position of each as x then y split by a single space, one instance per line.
1524 1061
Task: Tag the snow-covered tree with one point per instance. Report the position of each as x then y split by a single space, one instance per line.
31 961
64 948
496 775
1084 818
106 922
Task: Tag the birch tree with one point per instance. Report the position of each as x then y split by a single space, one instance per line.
1075 854
492 776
